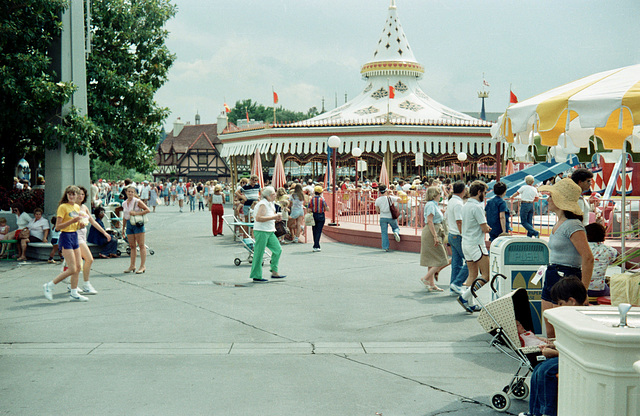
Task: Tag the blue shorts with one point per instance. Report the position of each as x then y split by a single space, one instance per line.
68 240
246 209
554 273
134 229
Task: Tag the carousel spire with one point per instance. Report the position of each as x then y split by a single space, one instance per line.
393 55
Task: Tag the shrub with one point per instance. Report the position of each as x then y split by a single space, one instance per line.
30 199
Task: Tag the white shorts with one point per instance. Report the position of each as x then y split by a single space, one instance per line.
474 252
181 197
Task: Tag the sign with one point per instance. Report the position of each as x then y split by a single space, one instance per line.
419 159
362 165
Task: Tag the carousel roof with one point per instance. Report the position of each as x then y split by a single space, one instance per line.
411 121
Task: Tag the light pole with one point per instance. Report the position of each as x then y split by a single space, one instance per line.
334 142
356 152
462 157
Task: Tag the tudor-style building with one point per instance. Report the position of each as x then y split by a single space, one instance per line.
191 152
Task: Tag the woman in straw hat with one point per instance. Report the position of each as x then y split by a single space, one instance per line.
569 252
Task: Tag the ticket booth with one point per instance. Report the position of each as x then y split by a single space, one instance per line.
519 258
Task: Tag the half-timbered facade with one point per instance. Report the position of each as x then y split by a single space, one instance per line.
191 152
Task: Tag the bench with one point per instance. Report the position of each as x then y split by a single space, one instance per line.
40 251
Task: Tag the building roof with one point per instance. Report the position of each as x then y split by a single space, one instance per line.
189 138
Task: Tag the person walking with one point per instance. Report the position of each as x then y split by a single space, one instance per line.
528 195
569 251
153 197
217 210
180 192
85 252
474 248
135 232
453 215
264 233
318 207
498 212
68 221
193 191
383 207
432 252
296 219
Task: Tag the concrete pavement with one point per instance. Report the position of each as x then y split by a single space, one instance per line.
350 331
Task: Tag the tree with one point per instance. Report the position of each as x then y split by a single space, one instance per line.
260 112
31 97
128 64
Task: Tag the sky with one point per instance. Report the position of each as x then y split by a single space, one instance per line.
306 50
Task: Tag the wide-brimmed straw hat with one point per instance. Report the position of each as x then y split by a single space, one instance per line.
565 194
318 189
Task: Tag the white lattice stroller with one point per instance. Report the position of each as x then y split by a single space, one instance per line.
498 318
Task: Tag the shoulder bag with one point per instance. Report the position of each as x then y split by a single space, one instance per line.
281 228
394 210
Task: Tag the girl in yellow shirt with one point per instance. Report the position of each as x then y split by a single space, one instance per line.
68 221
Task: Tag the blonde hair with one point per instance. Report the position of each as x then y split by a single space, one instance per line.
529 179
217 188
432 193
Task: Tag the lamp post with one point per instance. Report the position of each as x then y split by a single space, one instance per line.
356 152
334 142
462 157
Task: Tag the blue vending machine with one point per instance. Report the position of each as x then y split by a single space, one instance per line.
519 258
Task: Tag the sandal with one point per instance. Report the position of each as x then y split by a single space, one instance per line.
102 256
434 288
130 270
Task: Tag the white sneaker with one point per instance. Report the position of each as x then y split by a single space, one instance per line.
88 289
79 289
315 250
48 291
78 298
455 290
397 236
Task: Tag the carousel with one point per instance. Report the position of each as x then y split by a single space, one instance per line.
392 122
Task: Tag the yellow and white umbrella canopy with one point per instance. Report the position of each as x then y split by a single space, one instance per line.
605 105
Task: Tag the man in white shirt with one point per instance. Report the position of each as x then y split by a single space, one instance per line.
474 247
453 214
145 191
528 195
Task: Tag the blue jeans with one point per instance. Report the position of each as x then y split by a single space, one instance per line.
459 269
526 218
384 230
192 203
544 388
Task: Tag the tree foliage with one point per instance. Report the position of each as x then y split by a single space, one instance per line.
31 97
128 64
259 112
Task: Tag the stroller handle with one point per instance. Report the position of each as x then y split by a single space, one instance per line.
476 285
495 276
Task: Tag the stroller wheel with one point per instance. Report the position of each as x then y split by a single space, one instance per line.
152 252
129 250
500 402
118 252
237 262
521 391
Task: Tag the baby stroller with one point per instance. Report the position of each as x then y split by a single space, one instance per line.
114 227
248 243
498 318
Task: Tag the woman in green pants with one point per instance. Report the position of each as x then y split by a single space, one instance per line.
264 233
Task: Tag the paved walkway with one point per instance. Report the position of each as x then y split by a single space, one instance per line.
350 331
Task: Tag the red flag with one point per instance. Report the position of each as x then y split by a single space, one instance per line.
275 97
513 99
392 92
247 115
226 108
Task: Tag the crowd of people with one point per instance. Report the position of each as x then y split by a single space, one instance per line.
457 221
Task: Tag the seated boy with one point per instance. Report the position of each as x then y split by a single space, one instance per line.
543 400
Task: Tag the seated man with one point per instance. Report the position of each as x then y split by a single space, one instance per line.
543 400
